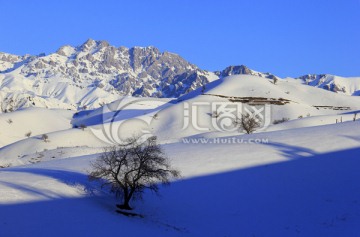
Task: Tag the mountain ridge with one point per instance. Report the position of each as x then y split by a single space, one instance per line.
95 72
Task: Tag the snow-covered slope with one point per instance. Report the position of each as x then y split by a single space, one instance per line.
344 85
287 99
297 178
8 61
304 106
67 130
32 122
303 182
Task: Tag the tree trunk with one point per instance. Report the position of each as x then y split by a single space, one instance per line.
125 206
127 198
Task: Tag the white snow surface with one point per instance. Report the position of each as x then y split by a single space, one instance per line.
338 84
297 178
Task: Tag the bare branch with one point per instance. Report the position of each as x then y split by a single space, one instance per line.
130 169
247 122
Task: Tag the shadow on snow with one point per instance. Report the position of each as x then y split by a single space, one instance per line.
313 195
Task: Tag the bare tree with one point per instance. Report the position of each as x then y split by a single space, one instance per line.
130 169
247 122
28 134
45 137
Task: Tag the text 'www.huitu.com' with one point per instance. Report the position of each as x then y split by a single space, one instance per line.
225 140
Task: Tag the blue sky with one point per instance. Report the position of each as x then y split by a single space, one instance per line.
287 38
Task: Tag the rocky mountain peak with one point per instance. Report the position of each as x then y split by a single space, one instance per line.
103 44
242 69
234 70
88 44
66 50
312 76
100 72
96 72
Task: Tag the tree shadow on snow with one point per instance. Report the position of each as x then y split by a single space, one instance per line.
292 152
92 213
355 138
316 196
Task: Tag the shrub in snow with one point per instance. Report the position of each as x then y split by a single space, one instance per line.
28 134
5 166
277 121
247 122
130 169
45 138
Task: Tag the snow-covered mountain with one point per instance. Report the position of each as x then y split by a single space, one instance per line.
342 85
96 73
8 61
304 106
269 182
242 69
348 86
92 74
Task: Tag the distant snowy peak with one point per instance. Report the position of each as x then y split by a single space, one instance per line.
8 61
242 69
66 51
137 71
345 85
94 73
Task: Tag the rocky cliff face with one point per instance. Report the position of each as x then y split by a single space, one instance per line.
136 71
94 73
242 69
337 84
9 61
